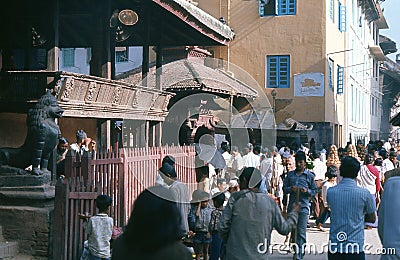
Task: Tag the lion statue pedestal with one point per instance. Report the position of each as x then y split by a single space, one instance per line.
27 197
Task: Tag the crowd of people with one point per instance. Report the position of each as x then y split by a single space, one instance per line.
234 209
83 144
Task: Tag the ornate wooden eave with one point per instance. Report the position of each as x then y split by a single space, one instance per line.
85 96
77 23
89 96
387 45
391 69
370 10
198 19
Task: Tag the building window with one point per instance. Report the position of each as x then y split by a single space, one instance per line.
278 69
330 74
357 105
277 7
375 70
88 55
68 57
286 7
331 9
342 17
373 106
340 79
121 54
371 109
352 97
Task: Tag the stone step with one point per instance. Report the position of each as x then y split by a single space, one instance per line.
8 249
7 180
21 257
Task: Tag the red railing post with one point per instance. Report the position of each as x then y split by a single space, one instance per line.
86 167
70 160
123 189
161 154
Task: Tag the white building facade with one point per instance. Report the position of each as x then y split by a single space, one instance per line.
363 56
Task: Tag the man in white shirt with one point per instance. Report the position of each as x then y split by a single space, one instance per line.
387 164
236 163
228 160
83 143
266 168
319 167
251 159
319 171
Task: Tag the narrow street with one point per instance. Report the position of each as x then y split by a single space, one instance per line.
319 239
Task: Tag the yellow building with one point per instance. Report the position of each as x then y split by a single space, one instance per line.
298 49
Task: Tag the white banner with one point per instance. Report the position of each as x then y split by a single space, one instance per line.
309 85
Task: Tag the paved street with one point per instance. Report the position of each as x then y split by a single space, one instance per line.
318 238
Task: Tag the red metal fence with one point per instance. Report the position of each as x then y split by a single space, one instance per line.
123 175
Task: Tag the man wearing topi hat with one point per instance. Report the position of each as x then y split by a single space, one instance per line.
170 178
249 217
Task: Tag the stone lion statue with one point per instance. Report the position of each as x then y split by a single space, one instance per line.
41 139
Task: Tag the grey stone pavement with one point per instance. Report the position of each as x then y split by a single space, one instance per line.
319 238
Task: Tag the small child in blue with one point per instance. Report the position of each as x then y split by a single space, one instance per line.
216 243
202 237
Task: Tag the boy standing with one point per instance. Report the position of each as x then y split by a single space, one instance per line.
331 174
301 186
99 229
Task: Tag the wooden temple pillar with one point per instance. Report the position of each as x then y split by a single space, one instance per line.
53 52
102 63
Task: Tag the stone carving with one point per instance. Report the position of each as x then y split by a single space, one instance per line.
135 101
69 87
116 96
166 102
90 92
41 139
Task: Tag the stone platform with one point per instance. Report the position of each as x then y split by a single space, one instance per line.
15 180
26 212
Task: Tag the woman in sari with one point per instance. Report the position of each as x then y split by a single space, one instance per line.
369 178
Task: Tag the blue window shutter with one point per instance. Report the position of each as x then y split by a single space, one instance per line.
272 79
278 71
286 7
261 5
339 16
284 69
342 22
330 74
292 7
331 7
340 79
281 7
